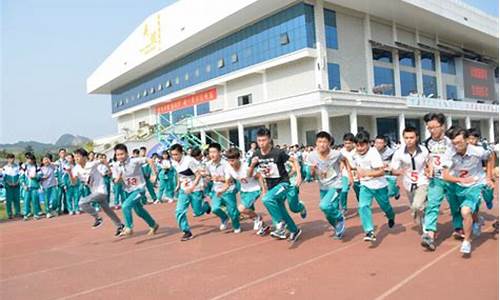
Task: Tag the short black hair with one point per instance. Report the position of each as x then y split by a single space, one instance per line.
165 152
380 137
324 135
449 131
474 132
30 155
176 147
49 156
349 137
253 142
363 137
215 145
263 132
195 152
233 153
82 152
143 148
410 129
121 147
61 149
70 154
458 131
439 117
10 155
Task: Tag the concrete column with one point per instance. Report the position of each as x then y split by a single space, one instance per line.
320 68
397 74
294 130
374 131
203 137
449 121
491 130
418 65
467 122
325 120
439 76
241 137
353 118
402 125
368 53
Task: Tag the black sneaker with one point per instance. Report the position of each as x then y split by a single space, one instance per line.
119 229
390 223
294 236
209 209
97 223
186 236
397 196
303 212
428 242
370 237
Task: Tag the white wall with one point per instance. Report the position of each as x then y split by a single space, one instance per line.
250 84
291 79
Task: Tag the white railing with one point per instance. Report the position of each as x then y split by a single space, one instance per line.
423 102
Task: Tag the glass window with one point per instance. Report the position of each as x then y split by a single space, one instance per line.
186 77
428 62
145 93
448 64
245 100
197 72
203 108
408 83
284 39
382 55
220 63
384 81
182 113
451 92
234 58
331 29
160 87
407 58
208 68
333 76
168 84
430 87
152 90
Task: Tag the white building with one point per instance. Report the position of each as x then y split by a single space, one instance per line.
302 66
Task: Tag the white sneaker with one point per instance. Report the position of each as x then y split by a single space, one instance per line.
237 230
170 200
49 216
223 225
466 247
257 223
157 202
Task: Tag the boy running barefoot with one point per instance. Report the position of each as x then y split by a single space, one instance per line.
325 165
87 172
370 171
129 171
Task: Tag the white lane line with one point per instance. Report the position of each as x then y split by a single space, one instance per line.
415 274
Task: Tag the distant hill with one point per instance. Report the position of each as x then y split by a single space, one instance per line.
66 140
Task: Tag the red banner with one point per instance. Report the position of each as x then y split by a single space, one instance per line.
187 101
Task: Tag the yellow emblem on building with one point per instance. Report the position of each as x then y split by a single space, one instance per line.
151 36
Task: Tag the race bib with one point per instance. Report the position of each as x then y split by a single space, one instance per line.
413 176
132 181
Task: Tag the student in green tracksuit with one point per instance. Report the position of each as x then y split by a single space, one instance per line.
370 171
386 152
11 176
464 169
31 186
49 185
72 189
61 188
440 147
347 152
166 178
146 170
294 203
325 164
270 162
118 191
107 174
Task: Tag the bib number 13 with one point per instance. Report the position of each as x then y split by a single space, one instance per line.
132 181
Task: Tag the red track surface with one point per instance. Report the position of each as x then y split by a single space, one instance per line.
63 258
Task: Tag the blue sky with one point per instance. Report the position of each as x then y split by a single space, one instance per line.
49 48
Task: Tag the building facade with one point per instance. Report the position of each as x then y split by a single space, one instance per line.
297 67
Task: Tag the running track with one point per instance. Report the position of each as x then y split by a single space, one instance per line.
64 258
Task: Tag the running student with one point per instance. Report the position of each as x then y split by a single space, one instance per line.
71 189
104 168
410 161
386 152
11 182
347 152
370 171
166 178
440 147
146 170
325 165
250 187
464 169
190 193
129 170
118 191
88 173
270 162
223 192
294 203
